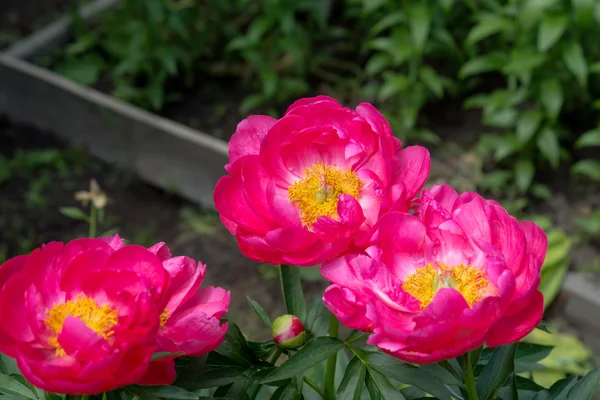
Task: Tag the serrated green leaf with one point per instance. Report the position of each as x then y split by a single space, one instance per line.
524 171
575 61
496 371
551 95
260 312
551 29
587 168
478 65
315 351
589 139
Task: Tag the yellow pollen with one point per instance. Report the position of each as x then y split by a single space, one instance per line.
164 317
426 281
317 194
98 318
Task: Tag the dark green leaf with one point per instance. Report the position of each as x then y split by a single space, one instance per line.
166 354
584 11
528 355
389 21
356 336
236 348
11 386
588 168
541 191
558 391
548 144
551 95
85 71
551 29
260 312
575 62
544 326
287 392
404 373
293 295
385 388
497 370
317 321
589 139
523 61
315 351
478 65
524 171
262 349
251 102
488 26
420 22
528 123
432 80
585 388
352 383
75 213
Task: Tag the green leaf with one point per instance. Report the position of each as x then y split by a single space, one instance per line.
588 168
166 354
528 123
75 213
524 171
251 102
389 21
353 381
547 142
586 387
589 139
432 80
551 95
584 11
478 65
293 294
11 386
551 29
497 370
287 392
317 320
393 84
523 61
385 388
544 327
377 63
595 68
260 312
356 336
262 349
85 71
420 22
533 10
489 25
528 355
236 348
575 62
315 351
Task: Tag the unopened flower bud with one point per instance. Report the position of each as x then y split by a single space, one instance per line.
288 331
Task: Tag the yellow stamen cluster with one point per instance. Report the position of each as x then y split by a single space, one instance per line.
98 318
426 281
317 194
164 317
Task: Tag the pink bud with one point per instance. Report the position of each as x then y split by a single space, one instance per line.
288 331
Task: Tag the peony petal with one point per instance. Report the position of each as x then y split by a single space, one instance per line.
80 342
160 372
311 100
346 306
537 241
412 166
249 135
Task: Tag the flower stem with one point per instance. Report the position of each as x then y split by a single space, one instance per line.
93 218
330 372
470 380
276 355
315 387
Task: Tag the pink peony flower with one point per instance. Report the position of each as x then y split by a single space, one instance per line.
304 188
82 317
190 324
457 274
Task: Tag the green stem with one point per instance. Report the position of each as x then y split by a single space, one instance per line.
276 355
291 287
470 380
93 218
330 373
315 387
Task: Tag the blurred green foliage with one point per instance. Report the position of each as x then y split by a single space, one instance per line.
531 66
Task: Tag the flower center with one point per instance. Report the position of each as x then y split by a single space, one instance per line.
98 318
317 194
164 317
426 281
